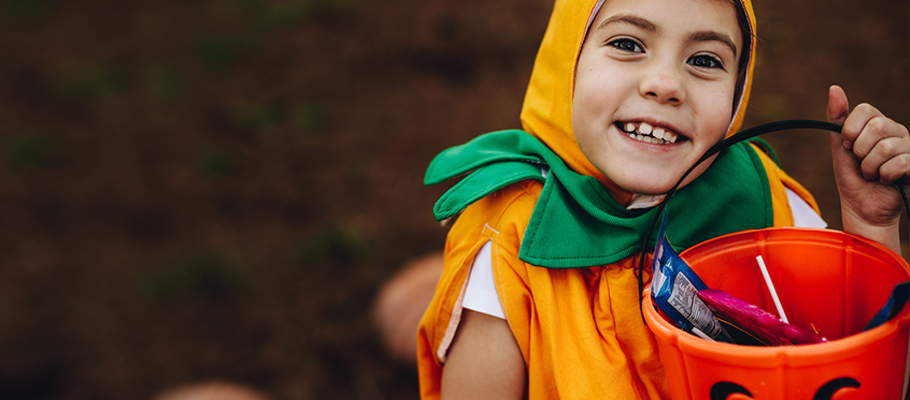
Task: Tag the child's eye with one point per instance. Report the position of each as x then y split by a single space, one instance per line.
705 61
626 45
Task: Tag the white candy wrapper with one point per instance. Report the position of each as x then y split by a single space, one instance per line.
674 290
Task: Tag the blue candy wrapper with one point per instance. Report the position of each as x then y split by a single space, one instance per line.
895 304
674 290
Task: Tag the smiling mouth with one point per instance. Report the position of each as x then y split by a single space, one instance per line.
644 132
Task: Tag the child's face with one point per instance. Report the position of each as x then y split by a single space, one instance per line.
664 66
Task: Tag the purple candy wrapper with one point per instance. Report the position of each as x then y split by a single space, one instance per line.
764 326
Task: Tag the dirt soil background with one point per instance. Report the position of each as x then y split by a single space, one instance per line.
216 189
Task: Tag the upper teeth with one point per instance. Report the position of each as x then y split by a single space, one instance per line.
647 133
644 128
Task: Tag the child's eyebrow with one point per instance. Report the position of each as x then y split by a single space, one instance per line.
631 20
709 36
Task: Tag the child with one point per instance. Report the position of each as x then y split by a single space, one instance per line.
539 297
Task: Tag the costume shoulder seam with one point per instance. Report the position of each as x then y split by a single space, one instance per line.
510 203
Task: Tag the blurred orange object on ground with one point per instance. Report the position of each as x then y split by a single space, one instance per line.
213 390
400 305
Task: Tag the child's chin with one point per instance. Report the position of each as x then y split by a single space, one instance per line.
653 180
650 188
643 181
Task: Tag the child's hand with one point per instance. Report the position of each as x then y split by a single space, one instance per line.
870 155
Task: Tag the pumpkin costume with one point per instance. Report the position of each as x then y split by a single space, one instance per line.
564 246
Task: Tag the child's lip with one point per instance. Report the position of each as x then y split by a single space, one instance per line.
650 132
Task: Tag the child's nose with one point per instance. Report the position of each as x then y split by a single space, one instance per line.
663 86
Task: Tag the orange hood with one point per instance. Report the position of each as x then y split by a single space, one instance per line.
547 109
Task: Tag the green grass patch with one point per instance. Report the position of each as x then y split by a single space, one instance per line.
164 83
201 275
217 163
257 116
92 82
223 53
336 244
308 117
26 12
29 152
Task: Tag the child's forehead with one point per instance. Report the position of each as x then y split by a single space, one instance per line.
684 16
599 5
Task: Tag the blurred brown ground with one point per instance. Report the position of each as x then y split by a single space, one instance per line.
215 189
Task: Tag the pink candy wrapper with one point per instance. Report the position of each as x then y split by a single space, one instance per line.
764 326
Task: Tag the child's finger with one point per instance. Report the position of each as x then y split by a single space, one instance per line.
895 169
888 150
866 126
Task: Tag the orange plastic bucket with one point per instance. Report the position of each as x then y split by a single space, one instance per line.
828 278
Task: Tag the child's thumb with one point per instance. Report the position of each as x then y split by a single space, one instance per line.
845 164
838 108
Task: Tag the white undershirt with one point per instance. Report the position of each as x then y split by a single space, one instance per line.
481 294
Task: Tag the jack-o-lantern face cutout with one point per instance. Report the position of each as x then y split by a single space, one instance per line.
733 391
729 391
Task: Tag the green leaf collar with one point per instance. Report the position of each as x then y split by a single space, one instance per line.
576 223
